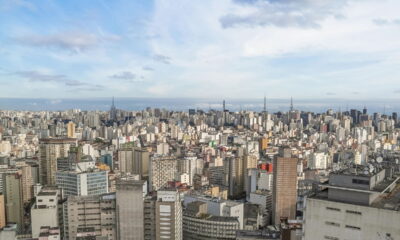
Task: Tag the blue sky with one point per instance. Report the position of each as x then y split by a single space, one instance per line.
212 49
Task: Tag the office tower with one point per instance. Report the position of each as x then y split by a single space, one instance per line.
44 212
71 130
27 183
150 217
130 209
234 175
90 217
89 182
358 203
113 111
284 187
168 215
2 211
14 200
162 170
49 150
134 160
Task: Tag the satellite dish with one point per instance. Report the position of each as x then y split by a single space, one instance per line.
379 159
366 172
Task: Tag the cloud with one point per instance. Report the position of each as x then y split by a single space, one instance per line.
384 22
75 42
330 93
10 4
396 91
88 88
285 13
162 58
147 68
124 76
35 76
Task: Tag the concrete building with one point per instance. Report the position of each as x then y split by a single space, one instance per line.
162 170
168 215
130 209
150 218
89 216
358 204
2 212
49 233
49 150
218 207
14 200
284 188
71 130
91 182
44 212
134 161
206 226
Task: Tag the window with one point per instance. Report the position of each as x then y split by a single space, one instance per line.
353 227
353 212
333 209
332 224
331 238
360 181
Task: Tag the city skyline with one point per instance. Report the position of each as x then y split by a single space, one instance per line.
305 49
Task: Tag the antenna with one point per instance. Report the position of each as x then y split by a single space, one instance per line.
223 105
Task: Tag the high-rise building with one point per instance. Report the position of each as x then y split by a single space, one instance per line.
2 211
44 212
14 200
134 160
113 111
162 170
71 130
130 209
284 187
90 217
90 182
49 150
168 215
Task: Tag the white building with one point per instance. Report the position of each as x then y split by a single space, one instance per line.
44 211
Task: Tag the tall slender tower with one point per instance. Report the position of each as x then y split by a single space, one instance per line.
223 105
291 104
113 111
265 103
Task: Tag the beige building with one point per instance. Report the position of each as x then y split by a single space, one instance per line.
284 188
2 212
71 129
49 150
89 216
14 200
163 170
134 160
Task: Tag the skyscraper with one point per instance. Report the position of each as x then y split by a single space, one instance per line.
49 150
284 188
71 129
113 111
14 200
162 171
130 209
168 215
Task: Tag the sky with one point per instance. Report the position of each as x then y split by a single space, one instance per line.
200 48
